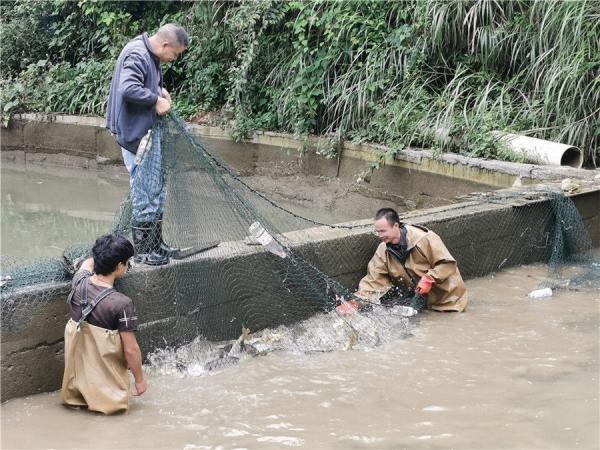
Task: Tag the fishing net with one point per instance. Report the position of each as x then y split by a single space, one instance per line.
538 224
248 276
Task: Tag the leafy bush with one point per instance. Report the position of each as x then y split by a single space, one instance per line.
439 74
25 35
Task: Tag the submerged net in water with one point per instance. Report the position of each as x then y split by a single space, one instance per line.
252 277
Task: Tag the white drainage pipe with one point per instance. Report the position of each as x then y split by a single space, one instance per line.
541 151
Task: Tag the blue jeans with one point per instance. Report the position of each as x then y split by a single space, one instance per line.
130 164
147 180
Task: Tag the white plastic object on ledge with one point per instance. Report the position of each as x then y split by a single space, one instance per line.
540 293
541 151
262 236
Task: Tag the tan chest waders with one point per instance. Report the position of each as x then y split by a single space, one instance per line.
95 367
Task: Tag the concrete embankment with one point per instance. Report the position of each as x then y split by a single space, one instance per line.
32 358
76 141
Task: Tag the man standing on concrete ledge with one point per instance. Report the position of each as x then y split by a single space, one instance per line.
100 341
411 267
136 101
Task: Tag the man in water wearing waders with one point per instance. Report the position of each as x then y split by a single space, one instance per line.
136 101
411 267
100 341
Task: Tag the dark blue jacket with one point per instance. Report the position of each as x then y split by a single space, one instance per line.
135 87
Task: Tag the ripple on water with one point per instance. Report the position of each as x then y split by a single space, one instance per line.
424 424
234 432
362 439
283 440
280 425
435 408
424 437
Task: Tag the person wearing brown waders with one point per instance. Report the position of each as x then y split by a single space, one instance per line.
100 343
411 267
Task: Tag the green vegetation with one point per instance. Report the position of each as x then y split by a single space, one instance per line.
438 74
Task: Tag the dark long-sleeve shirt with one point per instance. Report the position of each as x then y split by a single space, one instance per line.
134 90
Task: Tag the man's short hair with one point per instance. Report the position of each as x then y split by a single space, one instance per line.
174 33
390 215
110 250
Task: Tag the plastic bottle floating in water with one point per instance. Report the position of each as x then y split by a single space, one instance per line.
540 293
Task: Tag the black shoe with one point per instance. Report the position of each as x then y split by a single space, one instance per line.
147 245
163 248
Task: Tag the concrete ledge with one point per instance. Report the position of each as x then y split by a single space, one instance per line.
490 172
68 136
86 137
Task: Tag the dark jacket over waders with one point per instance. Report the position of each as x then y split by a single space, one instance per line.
96 372
427 254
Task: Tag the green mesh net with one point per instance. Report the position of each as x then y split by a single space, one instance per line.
249 276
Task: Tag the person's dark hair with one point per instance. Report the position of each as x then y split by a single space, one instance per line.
390 215
110 250
174 33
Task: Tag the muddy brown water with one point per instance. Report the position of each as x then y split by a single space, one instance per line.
510 372
47 208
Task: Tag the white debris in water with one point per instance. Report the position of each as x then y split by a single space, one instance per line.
540 293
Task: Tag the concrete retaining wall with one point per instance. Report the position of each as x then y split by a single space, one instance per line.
32 353
69 141
83 141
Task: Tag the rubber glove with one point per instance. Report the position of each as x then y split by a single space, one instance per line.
424 285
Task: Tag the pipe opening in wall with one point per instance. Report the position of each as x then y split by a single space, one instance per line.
572 157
